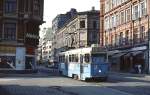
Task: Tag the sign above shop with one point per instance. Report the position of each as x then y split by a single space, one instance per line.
28 35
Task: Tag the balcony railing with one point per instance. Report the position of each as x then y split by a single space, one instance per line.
128 43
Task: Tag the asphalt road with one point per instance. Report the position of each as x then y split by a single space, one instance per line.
132 85
44 83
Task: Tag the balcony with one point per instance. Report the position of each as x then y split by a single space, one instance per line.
126 43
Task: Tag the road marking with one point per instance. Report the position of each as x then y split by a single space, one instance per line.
115 90
3 80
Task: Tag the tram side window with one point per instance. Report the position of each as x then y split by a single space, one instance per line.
81 58
66 59
59 58
62 58
76 58
73 58
69 58
87 58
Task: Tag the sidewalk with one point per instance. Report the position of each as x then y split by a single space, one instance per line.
3 91
144 77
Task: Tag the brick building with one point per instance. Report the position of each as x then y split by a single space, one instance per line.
19 32
124 31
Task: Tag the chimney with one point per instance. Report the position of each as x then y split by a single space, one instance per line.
93 8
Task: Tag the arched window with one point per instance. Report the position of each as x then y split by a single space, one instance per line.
127 37
142 33
135 35
121 38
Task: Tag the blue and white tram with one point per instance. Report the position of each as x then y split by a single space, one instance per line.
84 63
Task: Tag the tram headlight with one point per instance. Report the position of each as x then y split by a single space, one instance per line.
99 71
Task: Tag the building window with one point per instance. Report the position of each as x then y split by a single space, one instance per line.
135 12
143 8
107 4
110 22
121 38
117 19
36 7
95 25
10 31
113 20
135 35
118 2
122 17
114 3
116 40
128 14
127 37
111 40
10 6
82 24
106 23
106 40
142 33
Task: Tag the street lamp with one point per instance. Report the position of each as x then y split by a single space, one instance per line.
148 45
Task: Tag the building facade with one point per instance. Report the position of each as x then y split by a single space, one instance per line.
125 33
60 20
46 51
45 46
80 31
19 32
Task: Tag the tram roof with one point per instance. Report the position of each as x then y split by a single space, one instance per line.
92 50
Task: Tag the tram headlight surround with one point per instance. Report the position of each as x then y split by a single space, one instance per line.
100 71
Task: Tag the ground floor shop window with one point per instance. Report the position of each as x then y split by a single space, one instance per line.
30 63
7 61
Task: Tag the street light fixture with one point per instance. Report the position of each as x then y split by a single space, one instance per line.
148 45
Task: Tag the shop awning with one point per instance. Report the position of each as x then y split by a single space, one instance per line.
136 53
118 55
127 55
111 53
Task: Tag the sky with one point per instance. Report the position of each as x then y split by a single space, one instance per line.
54 7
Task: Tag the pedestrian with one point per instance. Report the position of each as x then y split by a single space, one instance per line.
139 69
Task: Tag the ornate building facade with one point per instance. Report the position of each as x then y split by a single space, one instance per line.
19 32
125 27
82 30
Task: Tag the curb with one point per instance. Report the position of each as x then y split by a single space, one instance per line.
129 74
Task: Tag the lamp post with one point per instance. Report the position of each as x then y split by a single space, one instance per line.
148 46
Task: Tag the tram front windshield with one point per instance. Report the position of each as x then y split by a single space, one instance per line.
98 58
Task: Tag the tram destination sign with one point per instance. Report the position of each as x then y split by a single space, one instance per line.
98 50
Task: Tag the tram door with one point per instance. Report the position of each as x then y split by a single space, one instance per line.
81 65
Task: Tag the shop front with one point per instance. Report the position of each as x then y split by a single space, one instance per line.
130 61
17 58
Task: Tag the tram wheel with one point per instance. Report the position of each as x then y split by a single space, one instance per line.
105 79
75 77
